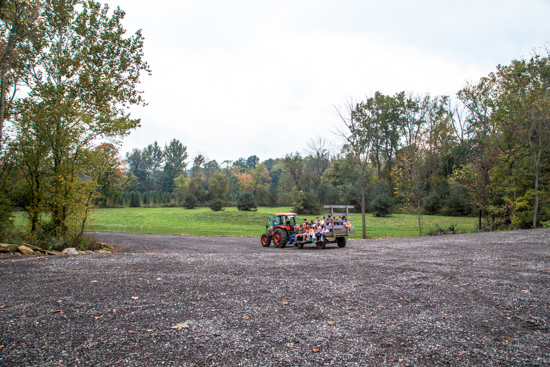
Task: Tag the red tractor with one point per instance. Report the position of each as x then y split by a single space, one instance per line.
279 228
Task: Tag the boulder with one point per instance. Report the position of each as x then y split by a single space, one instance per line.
25 250
4 247
106 246
104 251
81 252
70 251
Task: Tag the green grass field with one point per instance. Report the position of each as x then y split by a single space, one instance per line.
231 222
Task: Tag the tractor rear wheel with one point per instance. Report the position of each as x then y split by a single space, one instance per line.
341 241
279 238
266 240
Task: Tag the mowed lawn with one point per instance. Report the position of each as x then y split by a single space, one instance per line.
231 222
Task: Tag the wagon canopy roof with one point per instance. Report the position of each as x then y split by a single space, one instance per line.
287 214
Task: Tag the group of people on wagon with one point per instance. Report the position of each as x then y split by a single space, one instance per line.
315 230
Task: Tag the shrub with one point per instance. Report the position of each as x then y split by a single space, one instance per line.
134 200
189 201
306 203
432 204
381 205
458 203
6 221
216 205
246 202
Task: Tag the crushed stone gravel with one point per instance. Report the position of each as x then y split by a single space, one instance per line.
162 300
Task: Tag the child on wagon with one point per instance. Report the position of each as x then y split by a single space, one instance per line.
306 233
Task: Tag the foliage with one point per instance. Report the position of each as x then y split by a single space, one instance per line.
189 201
381 205
306 203
246 202
216 205
6 221
246 182
135 201
219 186
81 79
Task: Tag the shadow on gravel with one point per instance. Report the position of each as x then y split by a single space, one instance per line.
466 300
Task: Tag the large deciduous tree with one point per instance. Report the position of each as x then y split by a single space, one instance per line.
359 135
524 102
80 84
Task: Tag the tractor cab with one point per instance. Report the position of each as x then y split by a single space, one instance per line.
279 228
280 220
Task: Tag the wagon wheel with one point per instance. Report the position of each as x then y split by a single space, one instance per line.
341 241
266 240
321 245
300 245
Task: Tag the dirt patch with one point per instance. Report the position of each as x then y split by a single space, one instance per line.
476 299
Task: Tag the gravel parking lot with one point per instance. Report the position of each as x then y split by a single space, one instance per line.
467 300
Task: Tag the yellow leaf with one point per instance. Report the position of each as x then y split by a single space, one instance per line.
315 350
184 325
330 322
285 303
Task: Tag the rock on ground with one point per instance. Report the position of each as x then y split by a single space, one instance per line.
461 300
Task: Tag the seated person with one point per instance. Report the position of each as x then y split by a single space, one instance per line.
298 232
305 233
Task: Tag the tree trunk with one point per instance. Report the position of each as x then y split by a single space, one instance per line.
480 219
3 90
536 206
363 204
419 220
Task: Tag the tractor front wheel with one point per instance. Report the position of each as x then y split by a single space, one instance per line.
266 240
279 238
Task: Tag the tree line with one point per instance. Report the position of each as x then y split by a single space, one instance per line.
483 152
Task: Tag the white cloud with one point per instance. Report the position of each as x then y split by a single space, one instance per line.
238 78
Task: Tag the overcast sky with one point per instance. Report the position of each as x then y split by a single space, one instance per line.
236 78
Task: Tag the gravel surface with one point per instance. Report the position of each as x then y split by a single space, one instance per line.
470 300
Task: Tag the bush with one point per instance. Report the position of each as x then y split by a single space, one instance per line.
458 203
6 220
216 205
134 200
246 202
432 204
306 203
381 205
189 201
